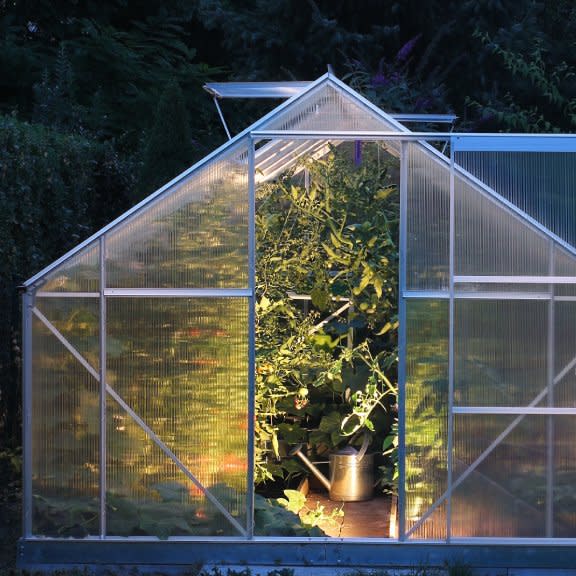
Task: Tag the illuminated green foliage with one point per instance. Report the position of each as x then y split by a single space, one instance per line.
327 249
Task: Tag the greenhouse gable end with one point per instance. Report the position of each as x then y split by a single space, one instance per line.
139 357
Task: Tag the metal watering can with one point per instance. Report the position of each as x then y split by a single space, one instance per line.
351 473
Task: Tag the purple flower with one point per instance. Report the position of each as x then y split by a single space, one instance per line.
406 50
379 79
423 103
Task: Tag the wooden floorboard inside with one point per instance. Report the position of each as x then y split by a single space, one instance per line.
369 519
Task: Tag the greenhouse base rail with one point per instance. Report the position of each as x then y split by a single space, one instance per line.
272 553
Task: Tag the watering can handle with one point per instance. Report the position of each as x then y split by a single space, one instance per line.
364 446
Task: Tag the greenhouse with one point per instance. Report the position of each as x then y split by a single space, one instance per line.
148 350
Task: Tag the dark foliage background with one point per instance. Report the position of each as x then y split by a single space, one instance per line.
95 94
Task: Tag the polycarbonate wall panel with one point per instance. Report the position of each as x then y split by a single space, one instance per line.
193 236
427 226
564 496
509 290
327 108
64 441
564 265
182 366
538 183
426 414
500 352
148 495
433 527
80 273
78 321
565 354
493 241
500 476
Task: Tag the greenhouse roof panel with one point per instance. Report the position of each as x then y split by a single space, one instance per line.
325 110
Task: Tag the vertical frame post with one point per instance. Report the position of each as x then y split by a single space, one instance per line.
251 337
103 394
27 305
450 439
402 343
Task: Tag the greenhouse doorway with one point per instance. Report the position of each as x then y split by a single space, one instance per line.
327 258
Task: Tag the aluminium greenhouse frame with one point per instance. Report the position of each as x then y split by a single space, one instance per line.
488 551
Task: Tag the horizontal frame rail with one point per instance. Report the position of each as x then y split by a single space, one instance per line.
476 142
485 295
515 279
68 294
363 135
513 410
245 293
178 292
154 293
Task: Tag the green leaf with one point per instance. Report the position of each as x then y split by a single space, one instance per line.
338 259
294 501
171 491
275 446
335 241
330 423
377 282
264 303
364 281
386 328
384 193
321 298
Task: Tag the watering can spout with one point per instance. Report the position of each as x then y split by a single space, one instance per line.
297 451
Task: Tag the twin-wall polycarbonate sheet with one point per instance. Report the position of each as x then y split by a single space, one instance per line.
193 236
77 321
79 273
64 440
564 354
564 497
500 351
149 495
181 366
499 488
492 240
513 347
564 265
327 108
426 414
176 417
541 184
428 224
